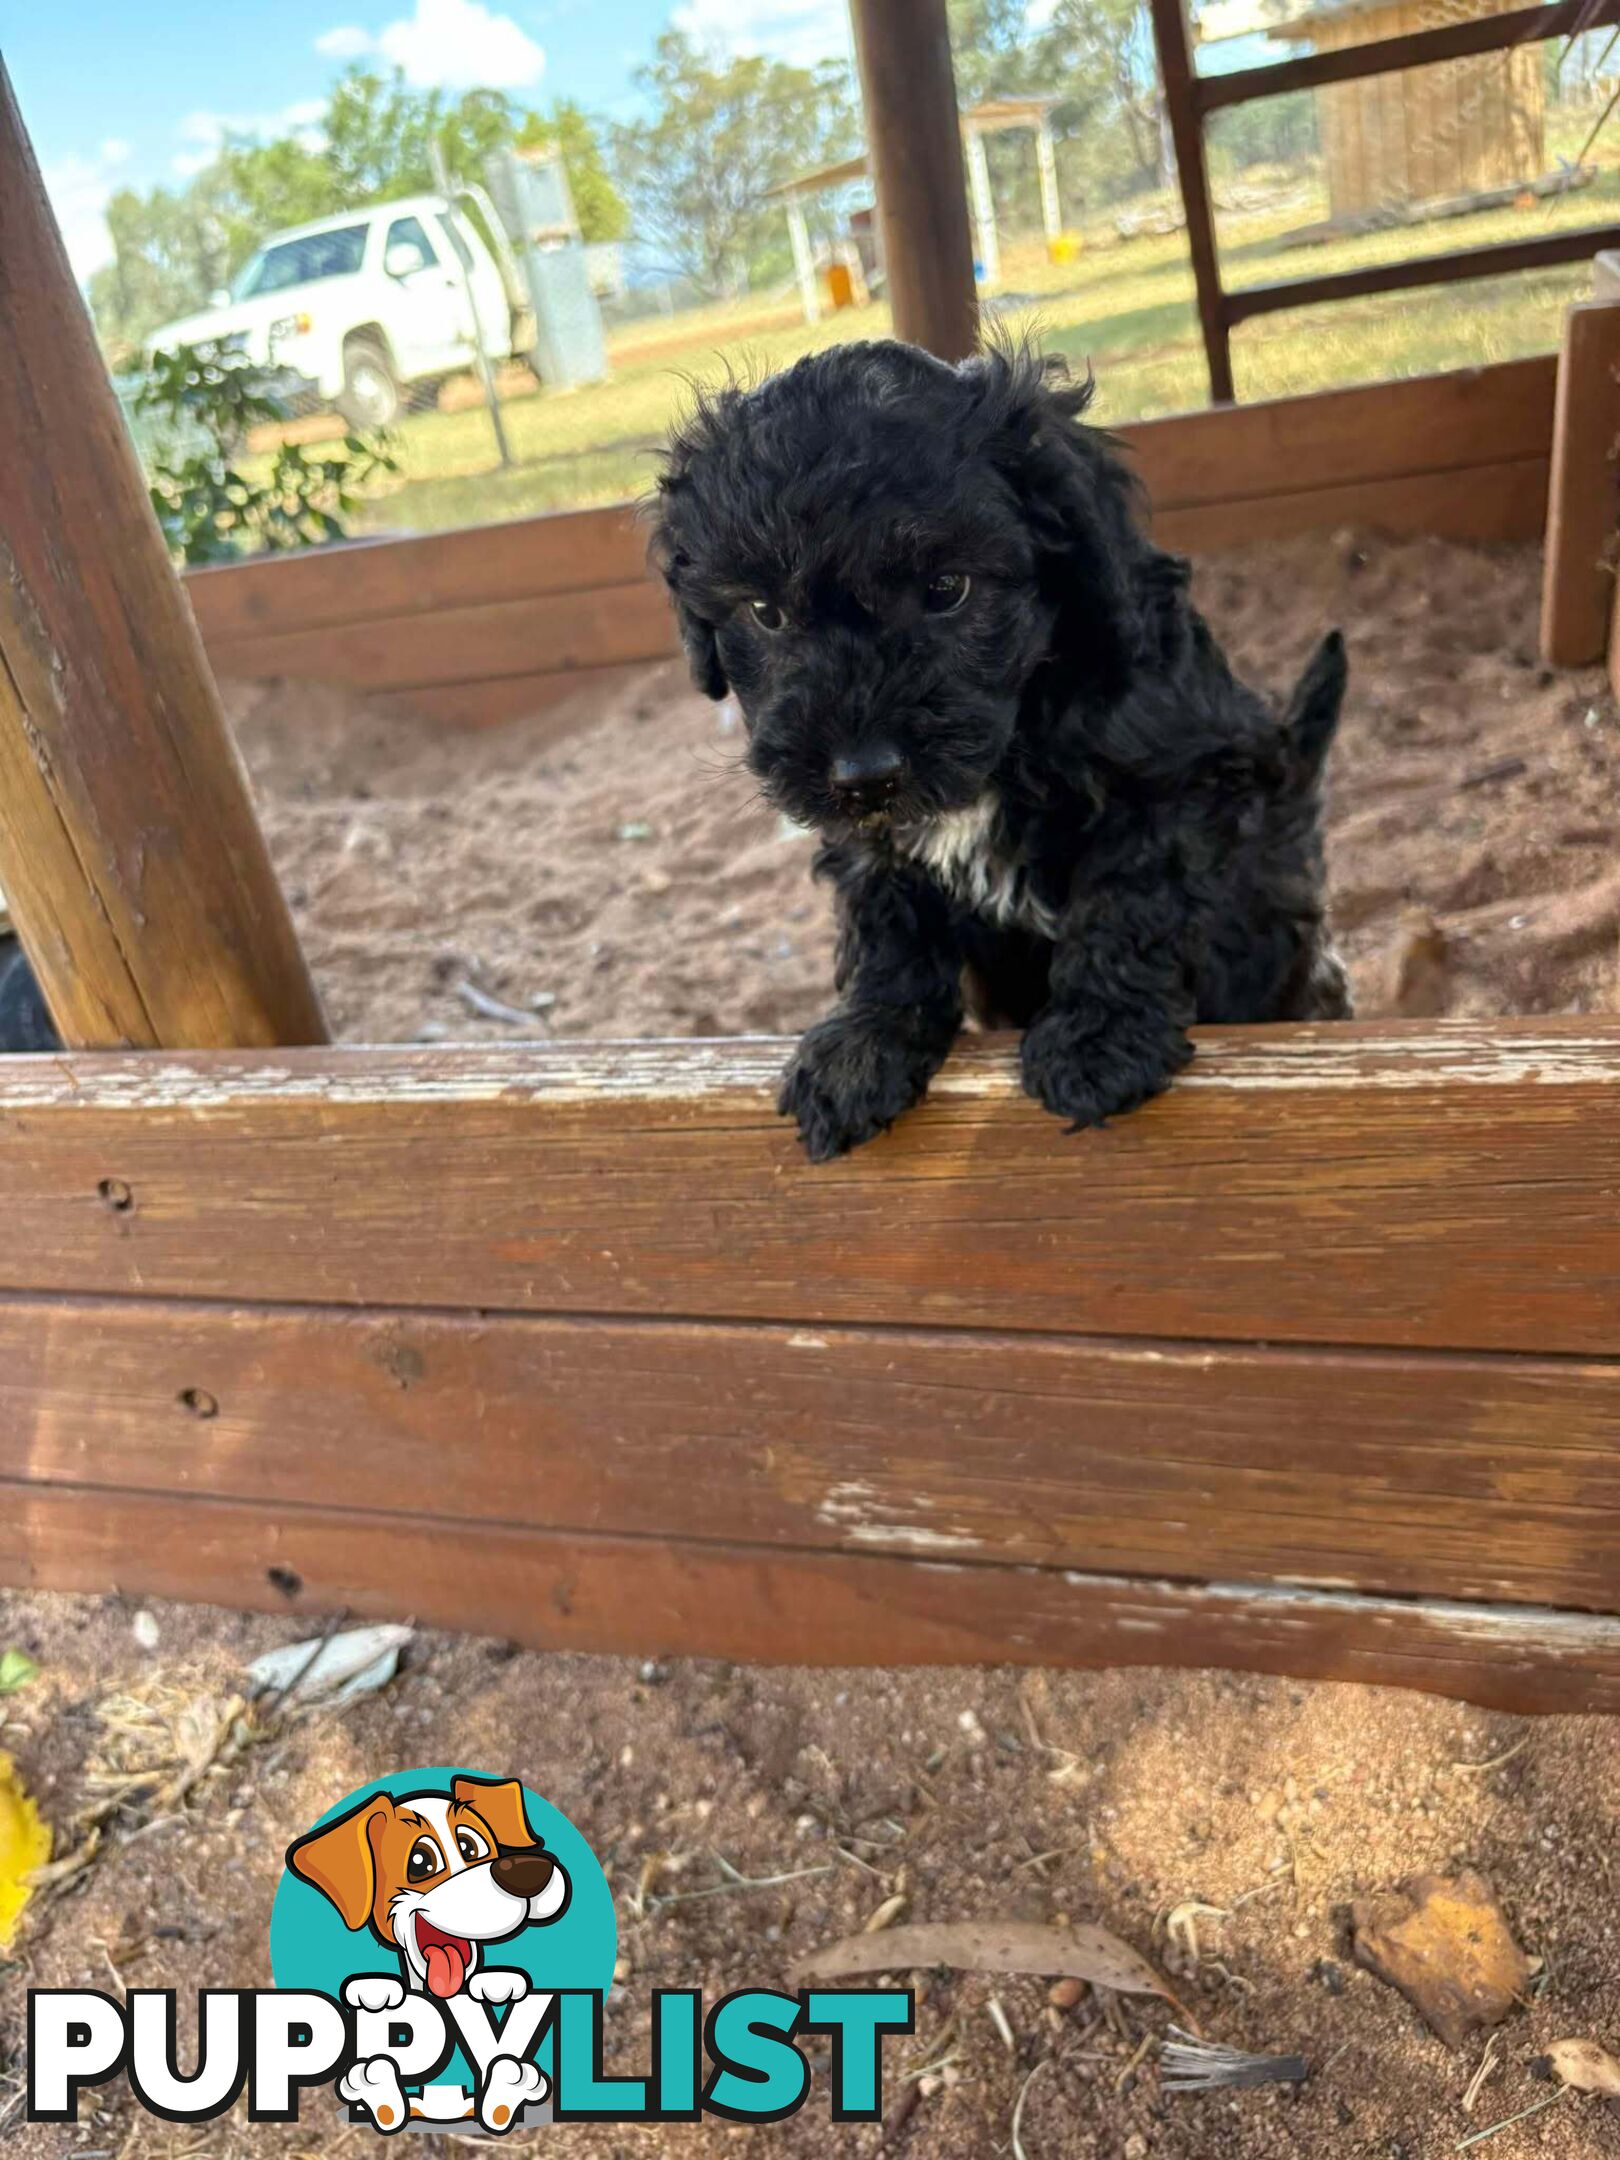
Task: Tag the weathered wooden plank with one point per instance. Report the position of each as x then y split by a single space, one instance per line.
908 96
1475 503
648 1597
1440 1185
469 644
1583 511
134 869
1470 1477
1379 431
452 609
420 573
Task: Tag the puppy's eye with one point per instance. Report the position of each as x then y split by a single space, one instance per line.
471 1846
944 595
768 615
426 1859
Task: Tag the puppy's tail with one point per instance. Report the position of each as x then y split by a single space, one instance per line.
1312 716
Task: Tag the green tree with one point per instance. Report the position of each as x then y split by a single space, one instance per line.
722 133
170 251
173 247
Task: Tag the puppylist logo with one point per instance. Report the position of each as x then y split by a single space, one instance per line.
442 1942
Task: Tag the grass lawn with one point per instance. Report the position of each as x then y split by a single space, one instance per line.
1124 307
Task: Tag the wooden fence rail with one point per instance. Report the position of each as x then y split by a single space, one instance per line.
498 621
1341 1311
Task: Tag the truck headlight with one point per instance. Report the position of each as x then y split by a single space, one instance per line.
290 326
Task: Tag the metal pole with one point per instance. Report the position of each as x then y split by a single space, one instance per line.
486 374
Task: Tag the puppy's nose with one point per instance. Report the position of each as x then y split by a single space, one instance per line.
868 779
524 1873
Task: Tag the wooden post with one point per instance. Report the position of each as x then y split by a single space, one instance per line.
914 140
1187 132
129 852
804 261
1046 168
986 238
1583 503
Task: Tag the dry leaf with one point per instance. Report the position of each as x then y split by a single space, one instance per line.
1586 2066
1445 1943
1086 1952
25 1844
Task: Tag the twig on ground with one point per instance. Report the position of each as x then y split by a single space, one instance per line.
1478 2137
1496 1761
1018 2109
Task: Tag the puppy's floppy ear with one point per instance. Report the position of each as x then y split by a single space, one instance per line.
1108 585
697 635
340 1860
500 1802
701 646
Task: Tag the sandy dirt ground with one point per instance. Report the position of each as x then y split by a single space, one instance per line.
628 872
1220 1824
624 881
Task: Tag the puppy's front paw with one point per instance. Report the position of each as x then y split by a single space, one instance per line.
498 1984
850 1079
373 1991
509 2088
374 2086
1087 1066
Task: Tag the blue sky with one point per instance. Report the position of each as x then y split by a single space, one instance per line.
118 94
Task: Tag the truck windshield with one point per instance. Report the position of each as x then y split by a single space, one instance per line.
303 262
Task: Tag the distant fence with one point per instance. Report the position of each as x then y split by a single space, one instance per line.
497 621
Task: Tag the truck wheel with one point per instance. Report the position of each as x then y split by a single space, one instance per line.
370 394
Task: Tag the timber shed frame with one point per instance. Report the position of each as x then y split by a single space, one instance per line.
1312 1367
1191 99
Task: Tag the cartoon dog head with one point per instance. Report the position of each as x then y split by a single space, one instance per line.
436 1874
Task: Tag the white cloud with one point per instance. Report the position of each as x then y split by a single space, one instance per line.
799 31
346 42
78 188
446 45
204 133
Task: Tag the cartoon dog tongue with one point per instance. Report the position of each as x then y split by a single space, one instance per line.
447 1959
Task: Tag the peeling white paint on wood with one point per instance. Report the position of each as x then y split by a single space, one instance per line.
1580 1053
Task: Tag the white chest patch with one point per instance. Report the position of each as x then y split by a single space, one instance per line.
960 849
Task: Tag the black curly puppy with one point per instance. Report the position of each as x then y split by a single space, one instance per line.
1043 795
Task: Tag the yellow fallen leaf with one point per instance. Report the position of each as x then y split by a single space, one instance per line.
25 1844
1585 2065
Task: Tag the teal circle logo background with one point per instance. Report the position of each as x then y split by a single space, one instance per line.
311 1948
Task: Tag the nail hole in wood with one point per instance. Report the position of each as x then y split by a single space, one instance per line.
199 1402
285 1579
116 1195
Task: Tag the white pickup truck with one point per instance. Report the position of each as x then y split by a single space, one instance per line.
359 309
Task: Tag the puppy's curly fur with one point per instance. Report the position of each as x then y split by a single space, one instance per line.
1043 795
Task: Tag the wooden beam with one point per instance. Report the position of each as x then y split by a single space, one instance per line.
419 648
129 851
1583 512
501 621
1441 1185
1414 48
646 1597
914 134
1471 1477
1502 257
1469 419
1187 133
567 551
1477 503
